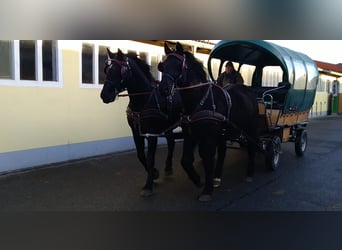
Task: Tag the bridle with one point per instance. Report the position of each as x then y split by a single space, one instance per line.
180 77
124 65
124 68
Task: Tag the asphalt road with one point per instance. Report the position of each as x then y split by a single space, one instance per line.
113 182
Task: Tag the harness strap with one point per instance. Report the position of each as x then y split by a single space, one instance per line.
204 115
133 115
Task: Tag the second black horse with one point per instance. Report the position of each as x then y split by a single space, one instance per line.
212 113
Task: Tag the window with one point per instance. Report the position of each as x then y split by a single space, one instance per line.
93 56
30 63
6 69
321 86
154 67
215 64
271 76
143 56
27 60
49 52
246 72
87 63
102 60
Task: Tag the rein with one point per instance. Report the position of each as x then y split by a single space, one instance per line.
194 86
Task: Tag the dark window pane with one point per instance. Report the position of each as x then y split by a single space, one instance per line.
143 56
6 59
87 63
27 60
131 52
102 59
154 66
49 60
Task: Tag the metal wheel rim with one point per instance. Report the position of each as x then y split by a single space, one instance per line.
276 150
303 142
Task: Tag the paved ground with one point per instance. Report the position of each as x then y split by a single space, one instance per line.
113 182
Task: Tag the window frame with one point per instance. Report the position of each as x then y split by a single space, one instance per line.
95 64
124 45
38 82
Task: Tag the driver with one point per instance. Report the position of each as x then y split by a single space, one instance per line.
229 76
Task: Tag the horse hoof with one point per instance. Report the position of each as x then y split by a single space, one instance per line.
205 197
216 182
168 173
146 192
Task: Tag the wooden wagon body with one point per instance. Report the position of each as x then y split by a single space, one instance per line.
284 105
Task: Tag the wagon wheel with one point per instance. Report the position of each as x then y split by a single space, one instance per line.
273 153
301 142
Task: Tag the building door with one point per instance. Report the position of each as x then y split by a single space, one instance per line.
335 97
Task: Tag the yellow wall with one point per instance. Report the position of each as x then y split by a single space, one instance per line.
36 117
320 105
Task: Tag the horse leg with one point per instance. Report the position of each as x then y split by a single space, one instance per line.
152 173
221 154
170 150
207 149
139 142
140 147
151 154
188 160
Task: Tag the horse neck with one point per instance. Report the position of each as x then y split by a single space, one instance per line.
191 97
193 77
139 87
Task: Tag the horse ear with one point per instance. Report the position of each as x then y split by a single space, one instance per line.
109 53
120 52
179 48
167 49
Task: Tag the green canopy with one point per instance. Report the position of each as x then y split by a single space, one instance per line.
298 69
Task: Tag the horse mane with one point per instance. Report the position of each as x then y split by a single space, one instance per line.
198 65
142 65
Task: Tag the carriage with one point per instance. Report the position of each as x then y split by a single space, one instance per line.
285 84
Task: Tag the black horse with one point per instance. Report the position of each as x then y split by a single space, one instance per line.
214 115
149 114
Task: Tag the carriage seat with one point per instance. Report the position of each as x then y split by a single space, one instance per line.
271 103
275 94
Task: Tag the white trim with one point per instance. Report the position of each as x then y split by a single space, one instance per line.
39 62
39 83
16 59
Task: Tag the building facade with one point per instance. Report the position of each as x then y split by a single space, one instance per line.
50 104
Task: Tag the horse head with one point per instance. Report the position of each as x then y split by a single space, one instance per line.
117 69
179 69
172 68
